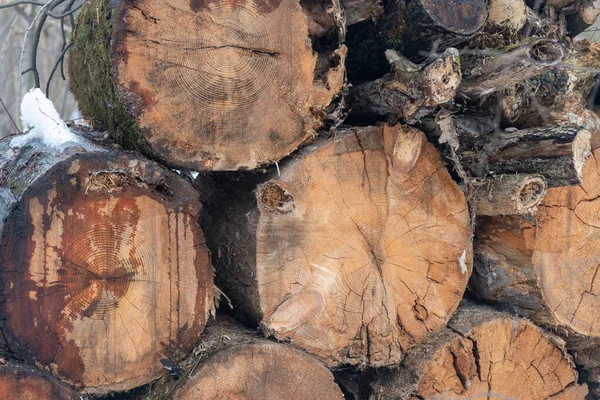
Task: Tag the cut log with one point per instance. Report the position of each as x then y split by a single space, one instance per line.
431 18
104 270
205 84
483 355
411 91
510 195
355 252
546 268
509 13
20 382
485 72
362 10
237 363
558 153
582 17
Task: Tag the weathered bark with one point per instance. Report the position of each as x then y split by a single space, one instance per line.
588 363
103 265
355 252
546 268
558 153
21 382
411 91
483 354
486 71
206 84
235 362
362 10
509 195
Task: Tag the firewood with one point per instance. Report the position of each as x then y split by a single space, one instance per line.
205 84
557 152
510 195
581 17
545 267
484 354
411 91
485 72
21 382
237 363
355 250
104 270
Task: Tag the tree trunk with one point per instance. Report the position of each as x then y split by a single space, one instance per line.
238 363
411 91
483 354
558 153
20 382
546 268
104 267
206 84
358 249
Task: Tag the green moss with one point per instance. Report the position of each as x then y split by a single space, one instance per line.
92 79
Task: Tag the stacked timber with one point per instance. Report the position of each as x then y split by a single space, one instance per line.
364 167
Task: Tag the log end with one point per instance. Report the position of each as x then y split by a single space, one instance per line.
462 17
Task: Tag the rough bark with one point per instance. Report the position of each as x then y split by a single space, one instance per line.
487 71
235 362
545 268
23 382
588 363
558 152
483 354
509 195
355 252
411 91
362 10
206 84
104 268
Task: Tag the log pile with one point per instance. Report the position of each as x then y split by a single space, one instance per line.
311 199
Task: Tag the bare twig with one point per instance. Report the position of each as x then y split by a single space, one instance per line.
9 116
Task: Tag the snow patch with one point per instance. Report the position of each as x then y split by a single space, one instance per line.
462 261
39 115
194 174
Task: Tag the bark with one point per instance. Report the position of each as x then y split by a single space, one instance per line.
411 91
583 15
24 382
558 153
588 363
358 249
362 10
206 84
545 268
510 195
481 355
485 72
236 362
104 267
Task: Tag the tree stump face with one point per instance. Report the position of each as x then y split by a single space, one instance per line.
359 246
25 383
229 85
501 359
263 370
565 246
103 274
